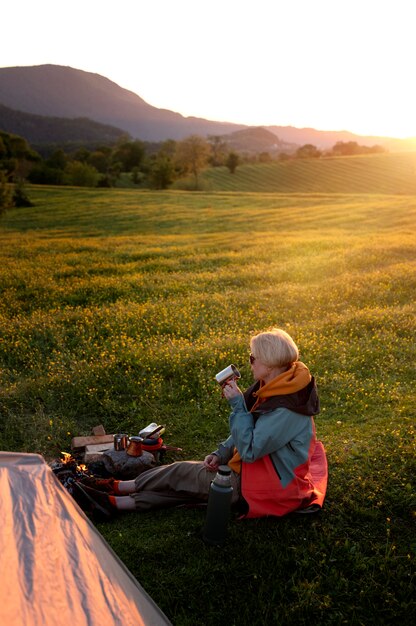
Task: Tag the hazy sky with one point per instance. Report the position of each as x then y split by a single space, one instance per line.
327 64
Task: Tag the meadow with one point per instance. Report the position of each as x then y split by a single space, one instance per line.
387 173
118 307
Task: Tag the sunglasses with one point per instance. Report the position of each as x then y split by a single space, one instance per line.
252 359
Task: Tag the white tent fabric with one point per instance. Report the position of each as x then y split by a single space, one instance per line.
55 567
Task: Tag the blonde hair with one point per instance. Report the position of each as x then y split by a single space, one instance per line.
274 348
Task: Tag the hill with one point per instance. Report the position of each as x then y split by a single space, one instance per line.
54 90
255 140
392 173
41 130
59 91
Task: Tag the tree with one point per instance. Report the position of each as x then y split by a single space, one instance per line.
308 151
82 155
20 197
233 160
162 172
218 150
168 148
16 156
264 157
51 171
130 154
6 193
42 174
192 155
349 148
58 160
82 174
3 151
100 159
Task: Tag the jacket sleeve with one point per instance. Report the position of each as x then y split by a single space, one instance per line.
271 432
225 450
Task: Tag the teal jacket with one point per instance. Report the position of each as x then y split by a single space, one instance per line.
281 433
276 445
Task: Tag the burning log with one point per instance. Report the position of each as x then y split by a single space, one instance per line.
68 470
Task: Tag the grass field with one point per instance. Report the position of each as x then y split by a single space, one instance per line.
391 173
118 307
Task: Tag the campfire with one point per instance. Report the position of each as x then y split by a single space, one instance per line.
67 470
68 459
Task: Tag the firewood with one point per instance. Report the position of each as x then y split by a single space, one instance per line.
98 430
78 443
95 452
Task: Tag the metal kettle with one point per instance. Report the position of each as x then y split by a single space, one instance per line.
134 447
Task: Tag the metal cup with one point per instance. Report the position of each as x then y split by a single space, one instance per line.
227 374
120 441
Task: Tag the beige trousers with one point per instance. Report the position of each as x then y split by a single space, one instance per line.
178 483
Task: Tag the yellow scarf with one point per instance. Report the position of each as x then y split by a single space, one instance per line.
294 379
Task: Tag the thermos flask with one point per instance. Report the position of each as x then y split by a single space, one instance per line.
218 511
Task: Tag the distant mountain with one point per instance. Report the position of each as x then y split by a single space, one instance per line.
39 130
58 91
325 139
54 90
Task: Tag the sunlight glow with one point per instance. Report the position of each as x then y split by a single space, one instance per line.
344 65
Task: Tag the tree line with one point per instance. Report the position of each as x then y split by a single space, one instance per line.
341 148
147 165
132 162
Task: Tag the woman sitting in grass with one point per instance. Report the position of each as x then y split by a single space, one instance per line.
277 464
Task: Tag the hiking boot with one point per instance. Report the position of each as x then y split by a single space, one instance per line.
99 484
94 503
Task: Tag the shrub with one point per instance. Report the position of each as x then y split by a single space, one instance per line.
82 174
6 193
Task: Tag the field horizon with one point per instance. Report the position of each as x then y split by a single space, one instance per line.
118 307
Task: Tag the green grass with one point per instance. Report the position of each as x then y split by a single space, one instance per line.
393 173
118 307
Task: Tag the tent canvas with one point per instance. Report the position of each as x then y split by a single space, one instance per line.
55 567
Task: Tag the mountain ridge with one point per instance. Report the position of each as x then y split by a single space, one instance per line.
41 130
63 91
